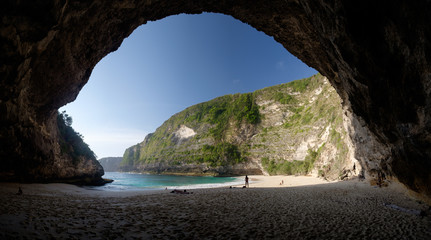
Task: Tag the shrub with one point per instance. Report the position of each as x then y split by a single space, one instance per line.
71 142
283 98
221 154
300 85
245 108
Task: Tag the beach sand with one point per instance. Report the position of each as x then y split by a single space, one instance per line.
301 208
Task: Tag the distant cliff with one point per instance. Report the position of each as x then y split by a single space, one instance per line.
111 164
292 128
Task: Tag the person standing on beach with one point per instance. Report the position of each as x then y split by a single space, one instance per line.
246 181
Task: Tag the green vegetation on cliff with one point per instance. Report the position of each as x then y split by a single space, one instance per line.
292 128
221 154
71 142
291 167
214 118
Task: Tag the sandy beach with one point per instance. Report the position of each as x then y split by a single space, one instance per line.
301 208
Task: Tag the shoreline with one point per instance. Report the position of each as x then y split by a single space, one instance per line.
256 181
302 208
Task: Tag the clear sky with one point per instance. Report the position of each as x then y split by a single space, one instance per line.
168 65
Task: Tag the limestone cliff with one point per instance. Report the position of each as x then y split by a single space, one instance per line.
297 128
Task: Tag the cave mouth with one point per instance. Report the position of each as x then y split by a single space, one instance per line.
379 66
165 66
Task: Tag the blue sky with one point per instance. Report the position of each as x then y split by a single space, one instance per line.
168 65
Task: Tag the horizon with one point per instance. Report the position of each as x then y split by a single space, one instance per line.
165 66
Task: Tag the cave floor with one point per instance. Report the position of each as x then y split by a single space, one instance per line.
338 210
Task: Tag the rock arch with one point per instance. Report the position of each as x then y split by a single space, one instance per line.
376 54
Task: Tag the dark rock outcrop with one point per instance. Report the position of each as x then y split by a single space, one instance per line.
375 53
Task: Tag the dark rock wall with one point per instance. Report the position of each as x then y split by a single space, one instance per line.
375 53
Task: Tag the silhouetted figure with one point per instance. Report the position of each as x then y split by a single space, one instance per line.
19 191
246 181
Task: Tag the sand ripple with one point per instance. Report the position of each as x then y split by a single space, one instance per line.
343 210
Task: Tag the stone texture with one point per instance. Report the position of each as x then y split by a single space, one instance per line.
375 53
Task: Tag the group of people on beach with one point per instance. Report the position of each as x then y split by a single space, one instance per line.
180 192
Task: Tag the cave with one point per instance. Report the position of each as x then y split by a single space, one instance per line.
375 53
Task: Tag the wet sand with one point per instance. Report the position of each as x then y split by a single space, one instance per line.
301 208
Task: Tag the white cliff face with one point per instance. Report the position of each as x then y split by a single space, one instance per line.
302 149
312 142
310 123
367 154
184 132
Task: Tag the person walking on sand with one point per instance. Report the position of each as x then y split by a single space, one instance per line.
246 181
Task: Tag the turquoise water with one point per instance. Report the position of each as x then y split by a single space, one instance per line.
134 181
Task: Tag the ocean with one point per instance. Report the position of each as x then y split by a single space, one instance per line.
135 181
